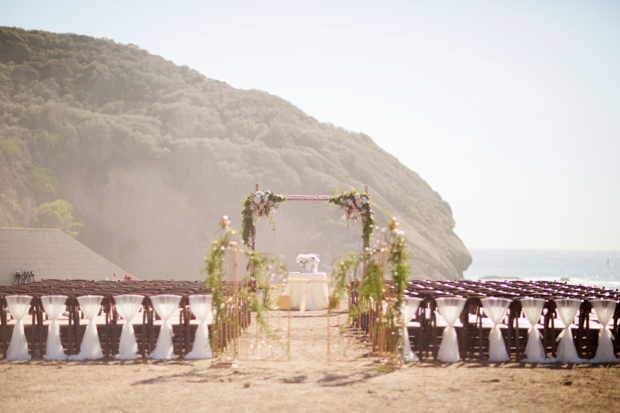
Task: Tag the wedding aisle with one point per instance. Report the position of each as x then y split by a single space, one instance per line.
309 338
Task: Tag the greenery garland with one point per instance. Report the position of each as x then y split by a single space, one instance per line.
259 280
340 275
356 204
214 266
398 260
373 282
256 205
372 286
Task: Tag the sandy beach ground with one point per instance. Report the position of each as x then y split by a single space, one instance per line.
305 384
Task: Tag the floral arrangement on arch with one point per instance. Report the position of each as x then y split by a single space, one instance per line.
257 205
356 204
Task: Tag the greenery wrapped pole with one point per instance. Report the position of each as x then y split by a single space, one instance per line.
366 240
246 281
388 260
254 228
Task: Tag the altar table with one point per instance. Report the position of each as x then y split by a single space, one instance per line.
316 292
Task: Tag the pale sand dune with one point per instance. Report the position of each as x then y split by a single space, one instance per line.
305 384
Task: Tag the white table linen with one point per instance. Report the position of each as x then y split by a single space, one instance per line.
54 305
300 287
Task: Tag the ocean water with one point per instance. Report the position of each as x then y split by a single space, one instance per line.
587 267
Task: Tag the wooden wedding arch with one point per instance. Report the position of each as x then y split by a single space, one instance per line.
366 240
371 331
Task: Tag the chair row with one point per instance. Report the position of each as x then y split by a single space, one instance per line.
84 287
66 337
507 289
480 327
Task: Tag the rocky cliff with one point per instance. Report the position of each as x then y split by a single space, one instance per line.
152 155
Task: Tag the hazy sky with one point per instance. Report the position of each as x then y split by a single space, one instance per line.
510 110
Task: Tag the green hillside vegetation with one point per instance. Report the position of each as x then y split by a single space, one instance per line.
151 155
57 214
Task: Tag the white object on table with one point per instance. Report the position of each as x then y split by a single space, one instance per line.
567 352
90 348
495 309
18 306
308 262
410 306
165 305
301 289
54 306
127 306
604 310
202 308
534 350
450 308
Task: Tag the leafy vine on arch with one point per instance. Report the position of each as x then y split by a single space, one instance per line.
356 204
257 205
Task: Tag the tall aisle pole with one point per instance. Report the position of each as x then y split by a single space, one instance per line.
254 229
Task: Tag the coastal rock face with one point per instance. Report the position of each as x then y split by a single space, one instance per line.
152 155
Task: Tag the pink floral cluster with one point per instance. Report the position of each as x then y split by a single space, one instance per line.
256 285
261 205
353 204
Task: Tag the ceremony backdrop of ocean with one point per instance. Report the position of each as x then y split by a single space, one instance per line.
587 267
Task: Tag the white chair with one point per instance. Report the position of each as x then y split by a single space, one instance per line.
127 306
202 308
408 310
567 352
164 305
54 305
604 310
90 348
534 350
450 308
18 347
495 309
